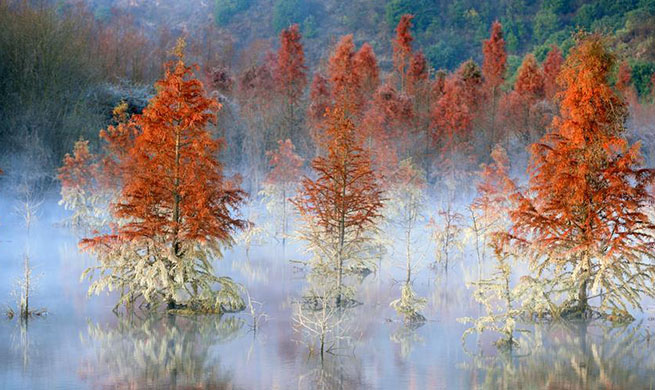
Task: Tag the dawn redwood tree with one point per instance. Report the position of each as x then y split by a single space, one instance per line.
345 80
420 91
290 75
282 181
519 107
341 206
452 123
403 209
489 217
384 129
551 68
320 96
366 66
402 49
175 209
259 108
583 215
494 67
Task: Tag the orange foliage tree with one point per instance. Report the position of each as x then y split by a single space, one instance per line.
551 68
583 215
340 207
175 208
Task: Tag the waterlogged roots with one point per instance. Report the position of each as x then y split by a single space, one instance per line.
409 306
226 300
317 302
29 314
506 344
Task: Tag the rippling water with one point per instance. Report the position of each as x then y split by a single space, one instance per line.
82 344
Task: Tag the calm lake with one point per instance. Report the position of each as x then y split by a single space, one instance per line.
81 344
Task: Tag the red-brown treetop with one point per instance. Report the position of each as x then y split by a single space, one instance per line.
366 65
530 80
552 66
290 71
452 116
286 165
417 74
173 186
494 65
258 82
470 81
438 85
402 47
345 81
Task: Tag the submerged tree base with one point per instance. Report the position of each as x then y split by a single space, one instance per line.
10 313
316 303
204 306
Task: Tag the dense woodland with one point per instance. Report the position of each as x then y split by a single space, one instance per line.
158 142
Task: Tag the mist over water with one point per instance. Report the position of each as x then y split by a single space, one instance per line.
81 344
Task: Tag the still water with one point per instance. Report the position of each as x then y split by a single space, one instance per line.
81 344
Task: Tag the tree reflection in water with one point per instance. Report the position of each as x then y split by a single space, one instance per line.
568 355
172 352
335 372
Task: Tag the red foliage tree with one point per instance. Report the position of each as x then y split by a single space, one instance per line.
419 90
494 67
366 66
173 191
521 115
290 75
402 49
385 129
345 81
584 213
452 122
551 66
344 201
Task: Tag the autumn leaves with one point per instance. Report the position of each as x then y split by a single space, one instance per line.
376 142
